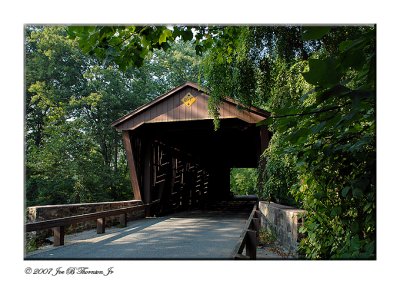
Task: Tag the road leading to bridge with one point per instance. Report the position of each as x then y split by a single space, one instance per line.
186 235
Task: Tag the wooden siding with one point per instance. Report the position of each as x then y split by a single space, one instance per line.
173 109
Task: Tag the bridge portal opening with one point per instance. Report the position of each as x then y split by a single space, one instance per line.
177 161
244 181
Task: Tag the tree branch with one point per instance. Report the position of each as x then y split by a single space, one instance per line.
311 112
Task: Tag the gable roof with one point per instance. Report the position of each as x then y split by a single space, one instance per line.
170 107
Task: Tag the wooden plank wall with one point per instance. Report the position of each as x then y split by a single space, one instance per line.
173 109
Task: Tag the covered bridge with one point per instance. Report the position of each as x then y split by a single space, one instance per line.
177 160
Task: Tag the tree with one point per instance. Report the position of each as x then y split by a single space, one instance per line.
243 181
72 152
324 125
335 144
53 74
129 46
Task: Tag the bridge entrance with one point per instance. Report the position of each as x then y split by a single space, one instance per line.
177 161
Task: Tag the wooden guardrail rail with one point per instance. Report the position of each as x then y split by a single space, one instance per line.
249 237
58 225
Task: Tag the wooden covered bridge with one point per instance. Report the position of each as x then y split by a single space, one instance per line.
177 163
177 160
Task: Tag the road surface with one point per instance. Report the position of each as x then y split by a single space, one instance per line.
185 235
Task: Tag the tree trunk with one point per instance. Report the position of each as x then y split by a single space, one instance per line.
115 156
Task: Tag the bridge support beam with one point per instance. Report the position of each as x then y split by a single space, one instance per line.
147 176
131 164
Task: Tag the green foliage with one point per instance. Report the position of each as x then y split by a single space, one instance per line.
72 153
130 46
333 137
322 155
233 68
243 181
31 244
228 71
267 236
315 32
279 174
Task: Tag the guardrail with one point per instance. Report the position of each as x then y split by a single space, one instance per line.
58 225
249 237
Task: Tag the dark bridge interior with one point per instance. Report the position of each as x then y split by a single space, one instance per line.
177 160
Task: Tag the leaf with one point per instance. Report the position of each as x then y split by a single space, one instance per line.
187 35
313 33
302 229
267 121
347 44
345 191
284 123
335 91
367 207
336 211
322 72
354 58
317 128
357 193
299 136
166 33
287 111
355 243
359 145
344 45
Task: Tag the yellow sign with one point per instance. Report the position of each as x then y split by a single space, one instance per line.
188 100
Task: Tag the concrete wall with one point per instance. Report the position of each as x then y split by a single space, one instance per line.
284 221
48 212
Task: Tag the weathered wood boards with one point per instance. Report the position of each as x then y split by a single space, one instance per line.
249 237
59 233
131 164
173 106
177 182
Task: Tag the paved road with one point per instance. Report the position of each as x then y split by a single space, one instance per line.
186 235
